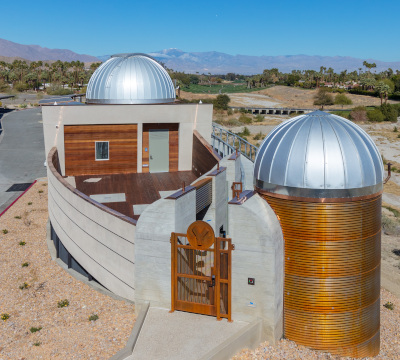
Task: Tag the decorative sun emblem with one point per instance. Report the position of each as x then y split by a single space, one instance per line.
200 235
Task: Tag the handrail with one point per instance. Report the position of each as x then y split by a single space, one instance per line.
226 142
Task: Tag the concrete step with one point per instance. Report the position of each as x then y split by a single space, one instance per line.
181 335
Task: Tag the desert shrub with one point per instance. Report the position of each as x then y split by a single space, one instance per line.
20 87
259 118
24 286
221 102
4 316
342 99
359 113
30 203
63 303
56 89
229 112
244 132
5 231
395 129
233 122
245 119
323 97
22 243
395 212
258 136
37 343
3 86
390 226
17 217
35 329
23 106
25 264
389 112
93 317
375 115
243 111
389 305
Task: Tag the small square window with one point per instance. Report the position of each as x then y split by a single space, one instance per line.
102 150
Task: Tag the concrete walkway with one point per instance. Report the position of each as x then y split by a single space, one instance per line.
180 335
21 152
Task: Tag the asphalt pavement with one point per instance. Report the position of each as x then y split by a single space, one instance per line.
22 154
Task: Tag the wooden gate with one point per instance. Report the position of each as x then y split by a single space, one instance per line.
201 272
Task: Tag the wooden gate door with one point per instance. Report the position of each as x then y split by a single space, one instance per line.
201 272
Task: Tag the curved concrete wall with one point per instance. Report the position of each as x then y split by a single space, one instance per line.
100 239
259 251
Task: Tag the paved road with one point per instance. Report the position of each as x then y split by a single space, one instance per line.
22 152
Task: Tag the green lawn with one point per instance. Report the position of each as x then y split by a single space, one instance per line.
215 89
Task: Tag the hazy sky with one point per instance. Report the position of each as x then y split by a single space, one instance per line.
357 28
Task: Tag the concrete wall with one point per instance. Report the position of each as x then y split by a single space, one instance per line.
189 117
259 251
102 243
233 171
153 247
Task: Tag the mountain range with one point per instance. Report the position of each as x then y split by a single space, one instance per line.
36 52
220 63
205 62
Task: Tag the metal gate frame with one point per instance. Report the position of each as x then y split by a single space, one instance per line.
222 307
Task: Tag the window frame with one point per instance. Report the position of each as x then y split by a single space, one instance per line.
95 150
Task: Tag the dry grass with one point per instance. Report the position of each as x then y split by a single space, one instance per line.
66 332
391 188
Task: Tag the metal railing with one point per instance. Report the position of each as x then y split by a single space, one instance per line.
226 142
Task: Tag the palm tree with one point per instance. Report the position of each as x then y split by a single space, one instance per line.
383 90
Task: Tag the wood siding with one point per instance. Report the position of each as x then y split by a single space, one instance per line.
173 145
80 141
332 274
204 158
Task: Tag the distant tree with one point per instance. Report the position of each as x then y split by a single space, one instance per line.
292 79
194 79
342 99
369 66
383 90
390 112
230 76
323 98
221 102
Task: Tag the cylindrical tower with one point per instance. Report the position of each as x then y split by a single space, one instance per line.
323 176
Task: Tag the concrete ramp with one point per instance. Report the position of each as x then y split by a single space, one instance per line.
180 335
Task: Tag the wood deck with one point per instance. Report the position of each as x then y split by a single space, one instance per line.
138 188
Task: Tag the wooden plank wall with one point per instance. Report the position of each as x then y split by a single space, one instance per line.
173 145
80 141
204 158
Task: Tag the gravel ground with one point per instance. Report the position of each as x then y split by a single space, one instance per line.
66 332
286 349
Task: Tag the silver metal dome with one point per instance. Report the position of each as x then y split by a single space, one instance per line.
318 155
130 79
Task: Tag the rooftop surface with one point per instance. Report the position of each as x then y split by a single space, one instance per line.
139 188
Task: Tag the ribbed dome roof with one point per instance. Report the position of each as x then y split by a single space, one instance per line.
130 79
318 155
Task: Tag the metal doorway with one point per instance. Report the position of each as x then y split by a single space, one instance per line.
201 272
158 150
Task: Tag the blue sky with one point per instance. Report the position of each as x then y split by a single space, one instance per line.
359 28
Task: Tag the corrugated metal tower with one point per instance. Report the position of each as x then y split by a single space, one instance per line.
323 176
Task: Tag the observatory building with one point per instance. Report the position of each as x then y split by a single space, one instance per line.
142 203
323 176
